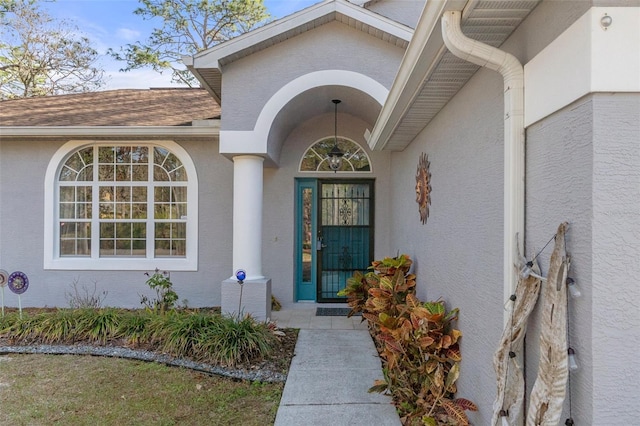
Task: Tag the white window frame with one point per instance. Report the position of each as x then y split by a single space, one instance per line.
310 147
52 258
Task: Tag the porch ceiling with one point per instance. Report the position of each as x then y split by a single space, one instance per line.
317 101
430 75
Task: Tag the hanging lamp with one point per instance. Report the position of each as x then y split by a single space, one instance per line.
336 154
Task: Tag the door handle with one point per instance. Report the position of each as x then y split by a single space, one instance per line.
320 243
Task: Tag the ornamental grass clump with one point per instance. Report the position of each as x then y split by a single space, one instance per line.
239 339
417 343
199 336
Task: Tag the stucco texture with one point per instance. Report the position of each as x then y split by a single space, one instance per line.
22 173
583 167
250 82
616 250
559 188
458 252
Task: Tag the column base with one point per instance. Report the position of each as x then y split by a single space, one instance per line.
256 298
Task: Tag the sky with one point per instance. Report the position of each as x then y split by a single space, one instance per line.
112 24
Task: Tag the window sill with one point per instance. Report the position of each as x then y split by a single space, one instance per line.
121 264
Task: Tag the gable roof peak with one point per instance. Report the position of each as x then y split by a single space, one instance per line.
207 65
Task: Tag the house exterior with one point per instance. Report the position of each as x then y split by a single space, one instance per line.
538 125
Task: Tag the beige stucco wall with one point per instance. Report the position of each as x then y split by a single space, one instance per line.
22 171
616 250
583 166
559 189
249 83
458 252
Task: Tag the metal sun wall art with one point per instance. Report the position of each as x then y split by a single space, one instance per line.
423 187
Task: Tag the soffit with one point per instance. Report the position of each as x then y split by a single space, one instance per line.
437 75
207 65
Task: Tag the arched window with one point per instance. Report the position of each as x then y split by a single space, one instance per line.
355 159
122 206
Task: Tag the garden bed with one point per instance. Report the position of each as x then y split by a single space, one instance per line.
271 366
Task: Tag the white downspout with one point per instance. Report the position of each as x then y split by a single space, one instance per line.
506 64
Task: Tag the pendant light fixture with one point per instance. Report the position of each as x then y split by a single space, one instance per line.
335 155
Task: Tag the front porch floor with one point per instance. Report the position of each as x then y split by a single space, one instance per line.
302 315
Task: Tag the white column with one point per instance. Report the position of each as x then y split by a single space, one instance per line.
247 215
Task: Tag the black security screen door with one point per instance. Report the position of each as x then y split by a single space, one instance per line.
345 234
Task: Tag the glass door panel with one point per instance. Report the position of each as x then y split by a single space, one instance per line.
305 240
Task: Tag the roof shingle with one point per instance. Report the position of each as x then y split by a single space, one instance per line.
125 107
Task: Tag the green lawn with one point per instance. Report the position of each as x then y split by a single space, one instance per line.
85 390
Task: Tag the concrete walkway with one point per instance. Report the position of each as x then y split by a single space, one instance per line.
335 364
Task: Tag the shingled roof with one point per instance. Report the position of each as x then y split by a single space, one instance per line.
125 107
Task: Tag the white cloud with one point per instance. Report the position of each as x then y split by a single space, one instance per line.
128 34
137 79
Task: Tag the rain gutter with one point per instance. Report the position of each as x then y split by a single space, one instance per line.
111 131
512 71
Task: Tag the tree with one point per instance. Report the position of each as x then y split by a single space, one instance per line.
188 27
40 56
6 6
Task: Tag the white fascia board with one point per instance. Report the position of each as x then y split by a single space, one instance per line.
211 58
372 19
421 56
74 131
187 60
586 58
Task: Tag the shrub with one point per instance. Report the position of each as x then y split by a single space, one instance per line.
417 344
81 298
166 298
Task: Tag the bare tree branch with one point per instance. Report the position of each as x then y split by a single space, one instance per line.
40 56
188 27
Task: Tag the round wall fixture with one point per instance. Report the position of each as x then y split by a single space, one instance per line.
423 187
4 277
18 282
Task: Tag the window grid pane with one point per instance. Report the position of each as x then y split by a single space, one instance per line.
119 238
170 213
75 239
118 188
170 239
355 159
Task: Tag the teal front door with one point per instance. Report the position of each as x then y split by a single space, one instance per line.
334 235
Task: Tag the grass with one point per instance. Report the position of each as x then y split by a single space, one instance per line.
84 390
81 390
200 336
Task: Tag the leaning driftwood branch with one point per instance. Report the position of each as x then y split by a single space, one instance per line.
510 395
547 396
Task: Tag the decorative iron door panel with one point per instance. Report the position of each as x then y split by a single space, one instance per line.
345 234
